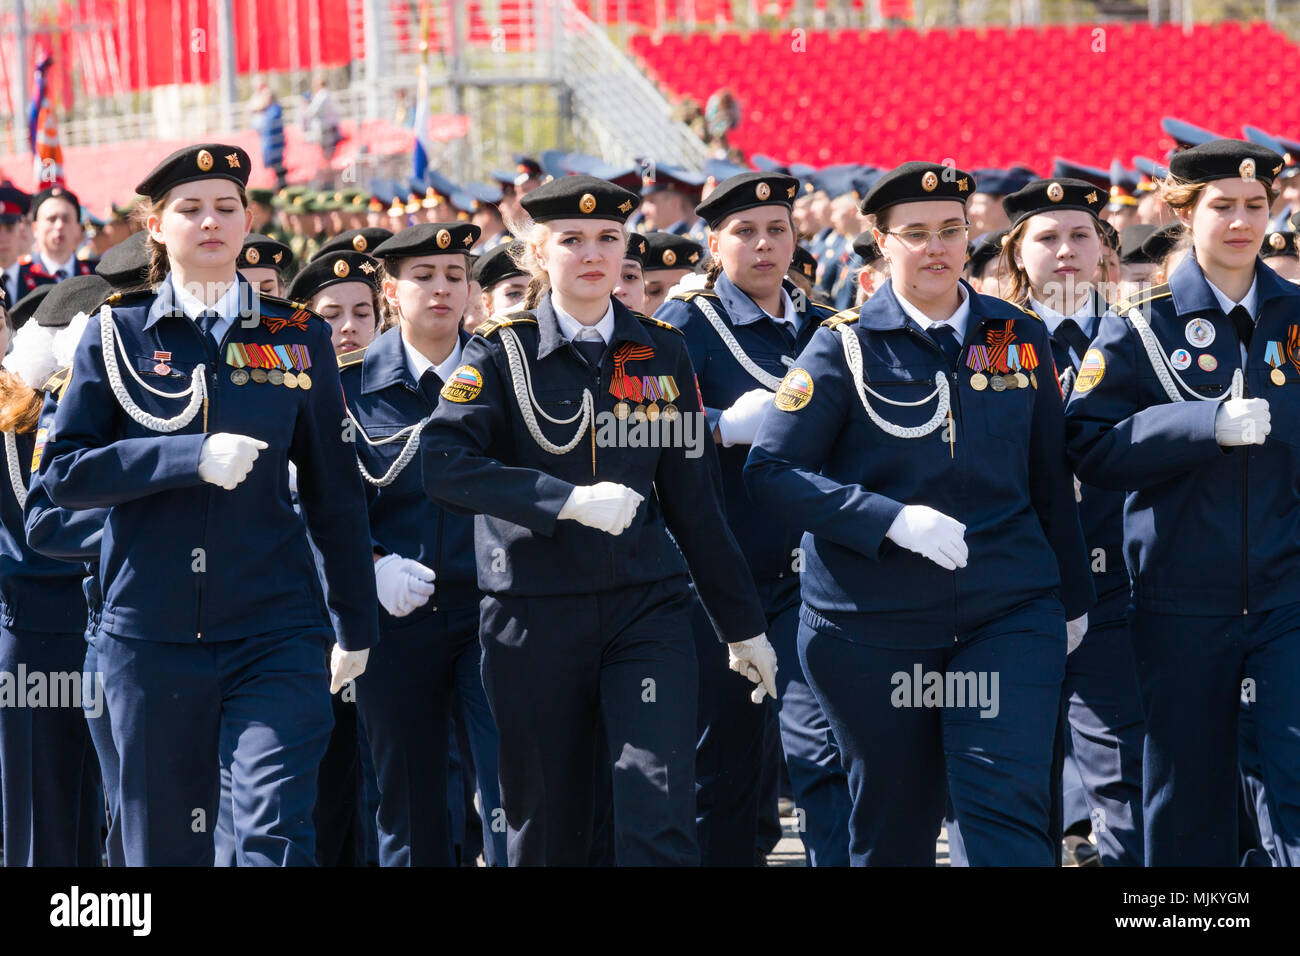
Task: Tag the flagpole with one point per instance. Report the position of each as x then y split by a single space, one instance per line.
18 129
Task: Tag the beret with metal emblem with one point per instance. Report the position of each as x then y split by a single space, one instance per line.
579 197
1130 242
263 252
804 263
192 163
72 295
667 250
357 240
918 182
746 191
497 265
636 248
55 192
1160 243
1279 244
14 203
429 239
986 250
331 269
1226 159
126 265
1053 195
658 177
25 308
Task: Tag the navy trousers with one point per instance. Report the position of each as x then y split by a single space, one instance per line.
259 705
1191 671
405 700
44 749
100 725
550 665
991 751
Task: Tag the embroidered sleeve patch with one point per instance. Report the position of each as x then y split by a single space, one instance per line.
795 391
464 385
1091 371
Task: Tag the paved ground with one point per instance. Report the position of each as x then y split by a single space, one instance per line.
789 852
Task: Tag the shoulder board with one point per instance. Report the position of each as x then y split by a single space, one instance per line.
127 296
352 358
841 318
485 329
1158 292
650 320
58 382
692 293
288 304
1029 312
823 305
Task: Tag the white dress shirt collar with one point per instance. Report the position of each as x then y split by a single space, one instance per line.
1083 318
52 268
1227 305
571 327
957 322
417 363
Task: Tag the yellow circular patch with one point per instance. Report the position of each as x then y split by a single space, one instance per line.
464 385
1091 371
795 391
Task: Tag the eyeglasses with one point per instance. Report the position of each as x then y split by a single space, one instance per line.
917 238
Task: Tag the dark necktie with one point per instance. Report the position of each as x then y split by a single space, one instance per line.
1074 337
946 339
60 275
207 321
1243 323
430 386
592 348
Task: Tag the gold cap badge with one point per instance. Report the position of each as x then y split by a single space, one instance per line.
443 239
930 182
251 255
341 268
762 190
204 160
1247 170
1055 192
587 204
669 257
359 243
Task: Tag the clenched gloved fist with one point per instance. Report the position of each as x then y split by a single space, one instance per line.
738 425
1242 421
225 459
403 584
931 534
606 506
756 660
346 666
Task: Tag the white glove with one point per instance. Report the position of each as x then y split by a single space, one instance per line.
756 660
931 534
739 423
606 506
1078 490
225 459
1242 421
1074 631
346 666
403 584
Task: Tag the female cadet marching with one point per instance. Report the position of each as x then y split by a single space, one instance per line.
47 764
207 576
1052 257
1175 402
424 555
743 331
587 606
920 443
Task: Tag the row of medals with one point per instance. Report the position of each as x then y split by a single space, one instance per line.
642 413
241 376
979 381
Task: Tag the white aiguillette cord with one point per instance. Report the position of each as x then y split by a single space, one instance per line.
412 435
197 392
15 472
1166 372
853 355
768 381
521 378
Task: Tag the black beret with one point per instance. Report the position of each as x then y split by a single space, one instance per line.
866 249
579 197
1131 239
192 163
259 195
67 298
498 264
126 264
14 203
1279 244
986 250
55 192
918 182
263 252
24 308
331 269
667 250
429 239
804 263
1226 159
358 240
1161 242
1053 195
745 191
636 248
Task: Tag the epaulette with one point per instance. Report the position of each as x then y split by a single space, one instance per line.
651 320
841 318
57 383
348 359
692 293
1157 292
288 304
1029 312
824 305
500 321
126 296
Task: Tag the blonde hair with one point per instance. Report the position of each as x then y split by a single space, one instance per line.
1019 287
531 235
1178 194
